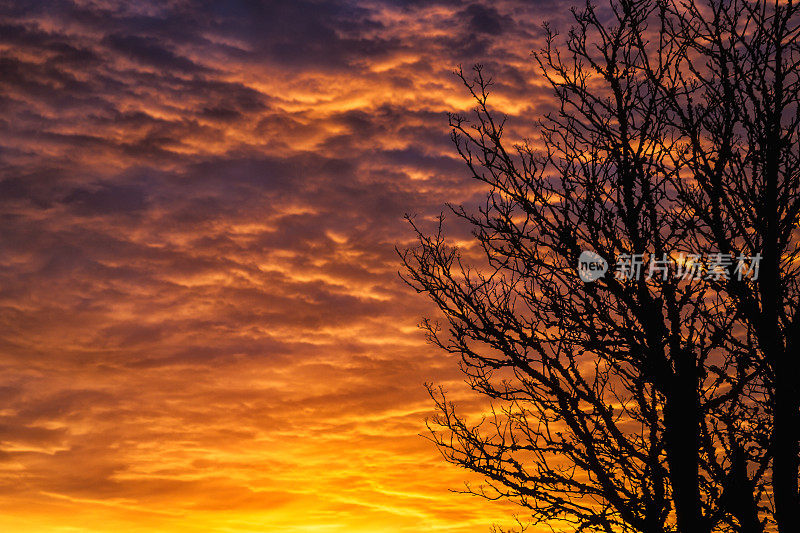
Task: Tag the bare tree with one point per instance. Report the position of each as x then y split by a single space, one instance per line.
644 401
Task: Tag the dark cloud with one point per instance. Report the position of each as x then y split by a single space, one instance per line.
297 34
149 52
485 19
107 199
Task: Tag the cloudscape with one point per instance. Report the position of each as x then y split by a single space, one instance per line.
202 323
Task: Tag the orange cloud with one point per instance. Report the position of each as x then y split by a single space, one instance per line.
201 323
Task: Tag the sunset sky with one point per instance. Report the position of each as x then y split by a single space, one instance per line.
202 327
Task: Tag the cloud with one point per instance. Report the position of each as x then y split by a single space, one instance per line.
485 19
201 323
146 51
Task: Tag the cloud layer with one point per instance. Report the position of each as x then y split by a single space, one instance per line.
201 323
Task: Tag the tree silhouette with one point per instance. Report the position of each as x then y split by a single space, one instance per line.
661 396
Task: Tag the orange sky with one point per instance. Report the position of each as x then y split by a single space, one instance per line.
201 323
